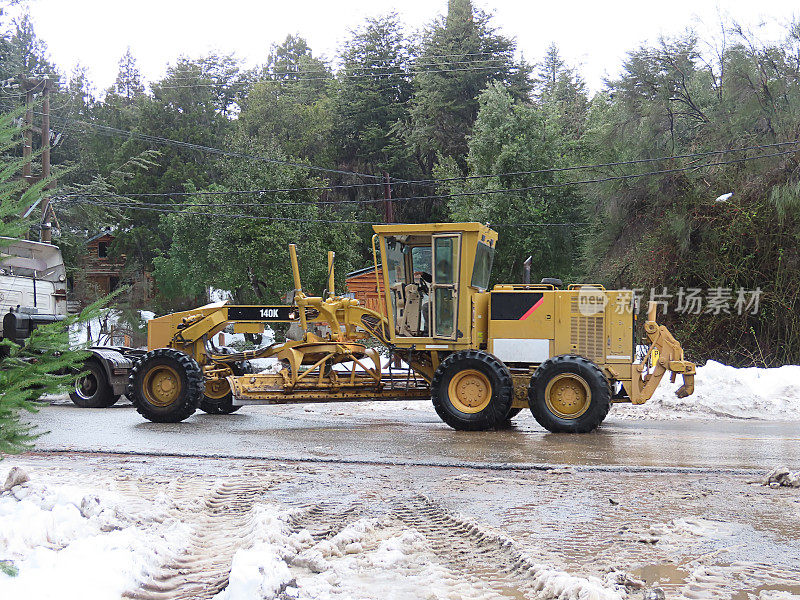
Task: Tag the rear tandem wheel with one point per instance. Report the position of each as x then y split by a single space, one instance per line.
569 394
472 391
218 396
93 389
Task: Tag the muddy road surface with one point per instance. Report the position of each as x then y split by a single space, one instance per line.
412 433
381 531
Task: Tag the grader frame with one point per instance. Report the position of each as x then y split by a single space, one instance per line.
482 355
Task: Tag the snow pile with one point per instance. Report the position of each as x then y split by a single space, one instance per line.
694 527
370 558
782 477
265 365
67 542
260 569
723 391
80 333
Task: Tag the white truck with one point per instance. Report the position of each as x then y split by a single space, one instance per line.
33 292
32 276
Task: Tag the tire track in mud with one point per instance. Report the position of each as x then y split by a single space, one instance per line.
469 548
324 520
220 529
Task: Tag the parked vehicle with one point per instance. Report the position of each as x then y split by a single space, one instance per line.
33 292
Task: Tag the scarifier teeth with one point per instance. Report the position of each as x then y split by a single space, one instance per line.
687 388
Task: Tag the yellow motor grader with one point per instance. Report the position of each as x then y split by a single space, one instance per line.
480 355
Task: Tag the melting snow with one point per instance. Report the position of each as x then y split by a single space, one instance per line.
371 558
728 392
68 542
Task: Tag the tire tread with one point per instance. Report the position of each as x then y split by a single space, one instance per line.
494 415
587 422
187 403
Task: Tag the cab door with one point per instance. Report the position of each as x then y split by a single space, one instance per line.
446 252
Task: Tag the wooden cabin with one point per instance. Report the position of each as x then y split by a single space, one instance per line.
101 270
362 286
100 273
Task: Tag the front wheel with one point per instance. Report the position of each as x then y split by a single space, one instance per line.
166 386
472 391
569 394
93 389
218 396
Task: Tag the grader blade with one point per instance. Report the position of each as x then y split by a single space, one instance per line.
322 371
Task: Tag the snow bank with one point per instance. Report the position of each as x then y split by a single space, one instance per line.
723 391
68 542
79 333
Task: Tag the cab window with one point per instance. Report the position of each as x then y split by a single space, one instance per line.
482 270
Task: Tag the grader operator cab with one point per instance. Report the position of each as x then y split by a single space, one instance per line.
480 355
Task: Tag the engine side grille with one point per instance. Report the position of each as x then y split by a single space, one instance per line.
586 333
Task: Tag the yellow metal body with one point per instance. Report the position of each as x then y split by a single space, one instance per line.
435 301
521 324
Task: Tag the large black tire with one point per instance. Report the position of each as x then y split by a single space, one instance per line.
478 371
224 405
584 396
166 386
93 389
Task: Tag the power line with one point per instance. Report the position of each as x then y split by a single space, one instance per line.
309 219
603 165
210 149
183 209
432 181
605 179
223 192
486 191
156 139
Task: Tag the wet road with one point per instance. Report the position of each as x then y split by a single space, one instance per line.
412 433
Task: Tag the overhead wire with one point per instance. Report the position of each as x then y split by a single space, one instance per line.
209 149
308 219
452 194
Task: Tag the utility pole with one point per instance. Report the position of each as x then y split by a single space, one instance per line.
388 209
27 135
31 86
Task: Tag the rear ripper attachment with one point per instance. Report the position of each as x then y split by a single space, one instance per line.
481 355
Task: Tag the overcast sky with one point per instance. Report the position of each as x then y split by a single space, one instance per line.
591 34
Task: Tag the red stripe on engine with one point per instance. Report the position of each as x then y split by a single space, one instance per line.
531 309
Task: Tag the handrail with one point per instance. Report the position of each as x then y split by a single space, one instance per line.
381 303
577 286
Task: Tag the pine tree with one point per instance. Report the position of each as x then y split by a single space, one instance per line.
44 363
129 79
290 103
27 53
368 108
461 55
562 92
